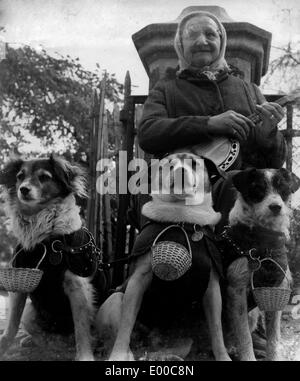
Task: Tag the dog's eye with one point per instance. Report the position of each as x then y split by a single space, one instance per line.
282 187
44 178
20 176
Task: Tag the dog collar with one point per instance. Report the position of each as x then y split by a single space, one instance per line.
254 243
263 237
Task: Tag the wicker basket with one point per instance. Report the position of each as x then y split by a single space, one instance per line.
18 279
271 298
170 260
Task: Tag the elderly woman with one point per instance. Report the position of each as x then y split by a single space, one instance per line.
206 101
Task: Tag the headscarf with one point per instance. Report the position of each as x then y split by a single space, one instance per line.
219 63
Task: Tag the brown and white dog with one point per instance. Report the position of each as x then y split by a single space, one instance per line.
192 205
258 223
44 218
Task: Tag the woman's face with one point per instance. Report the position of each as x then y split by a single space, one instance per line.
201 41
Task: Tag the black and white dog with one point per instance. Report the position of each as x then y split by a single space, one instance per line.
258 229
45 219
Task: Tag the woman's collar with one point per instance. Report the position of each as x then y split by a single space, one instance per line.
203 75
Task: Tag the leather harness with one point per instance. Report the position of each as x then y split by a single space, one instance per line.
257 244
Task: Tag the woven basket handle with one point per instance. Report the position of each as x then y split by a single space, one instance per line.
40 261
174 226
276 263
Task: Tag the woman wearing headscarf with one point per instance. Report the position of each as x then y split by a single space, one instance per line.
206 101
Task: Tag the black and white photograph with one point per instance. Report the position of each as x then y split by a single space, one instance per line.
149 183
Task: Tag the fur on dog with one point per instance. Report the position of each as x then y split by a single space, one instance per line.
40 201
261 211
191 204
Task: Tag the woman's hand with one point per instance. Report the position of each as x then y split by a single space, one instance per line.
270 113
231 124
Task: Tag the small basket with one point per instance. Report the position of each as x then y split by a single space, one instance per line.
18 279
170 260
271 298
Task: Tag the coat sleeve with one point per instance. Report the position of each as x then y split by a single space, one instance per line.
271 143
160 132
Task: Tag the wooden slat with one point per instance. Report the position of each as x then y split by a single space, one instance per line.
289 137
127 118
92 163
106 199
98 219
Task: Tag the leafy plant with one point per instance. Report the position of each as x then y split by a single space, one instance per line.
51 97
284 71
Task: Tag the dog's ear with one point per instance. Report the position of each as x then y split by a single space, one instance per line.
9 172
291 178
241 179
72 176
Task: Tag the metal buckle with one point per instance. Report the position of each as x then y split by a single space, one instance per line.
198 234
56 255
255 262
251 256
58 249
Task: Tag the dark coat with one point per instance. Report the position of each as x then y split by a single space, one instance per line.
177 111
49 299
166 301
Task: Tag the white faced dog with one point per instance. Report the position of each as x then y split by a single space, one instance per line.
159 302
256 241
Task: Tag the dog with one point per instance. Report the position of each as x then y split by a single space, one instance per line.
258 231
144 295
40 201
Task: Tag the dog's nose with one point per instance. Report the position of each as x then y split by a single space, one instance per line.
275 208
24 191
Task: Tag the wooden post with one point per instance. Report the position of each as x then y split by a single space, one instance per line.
126 117
289 136
138 115
106 198
117 126
92 162
118 133
98 220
